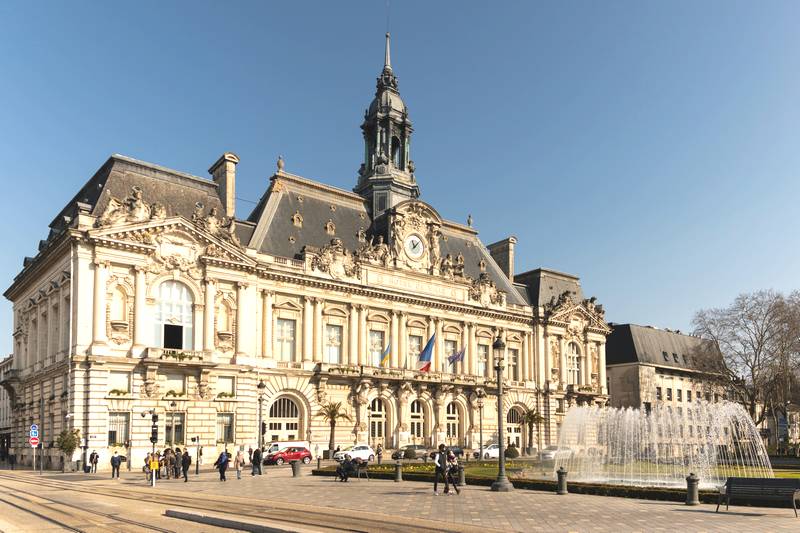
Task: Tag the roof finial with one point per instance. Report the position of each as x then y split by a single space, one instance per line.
387 61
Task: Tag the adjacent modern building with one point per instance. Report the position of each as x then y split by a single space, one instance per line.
649 366
152 295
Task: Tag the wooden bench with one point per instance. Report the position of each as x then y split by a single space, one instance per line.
760 489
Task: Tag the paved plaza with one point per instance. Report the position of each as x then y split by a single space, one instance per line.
312 503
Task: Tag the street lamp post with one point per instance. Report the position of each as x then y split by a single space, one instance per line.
480 426
261 386
501 484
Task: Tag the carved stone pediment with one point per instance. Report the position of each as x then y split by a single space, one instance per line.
485 291
576 316
416 224
130 209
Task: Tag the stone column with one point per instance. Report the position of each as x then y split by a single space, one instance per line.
318 330
350 356
208 315
139 312
523 371
543 358
431 332
438 346
63 309
463 366
362 335
586 370
266 326
241 288
562 362
601 367
395 332
308 328
472 351
99 337
402 342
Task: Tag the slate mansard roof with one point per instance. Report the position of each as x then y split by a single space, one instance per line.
275 232
542 285
631 343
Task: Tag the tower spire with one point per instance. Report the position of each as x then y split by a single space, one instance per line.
387 60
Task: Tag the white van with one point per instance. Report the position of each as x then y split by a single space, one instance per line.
278 445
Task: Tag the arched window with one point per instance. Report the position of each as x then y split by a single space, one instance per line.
174 316
377 422
514 427
397 152
573 364
119 305
284 420
417 420
452 423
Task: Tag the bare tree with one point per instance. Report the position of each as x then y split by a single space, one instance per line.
752 335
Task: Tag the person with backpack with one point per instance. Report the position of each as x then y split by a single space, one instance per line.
186 462
256 460
222 464
116 460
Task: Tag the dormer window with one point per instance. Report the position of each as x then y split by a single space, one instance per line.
397 152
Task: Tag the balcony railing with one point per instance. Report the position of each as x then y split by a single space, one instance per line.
181 356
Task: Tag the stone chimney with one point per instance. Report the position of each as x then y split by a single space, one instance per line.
503 254
224 174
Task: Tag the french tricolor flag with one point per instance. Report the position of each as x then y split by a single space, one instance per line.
424 364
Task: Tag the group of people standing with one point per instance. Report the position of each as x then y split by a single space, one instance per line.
171 463
239 462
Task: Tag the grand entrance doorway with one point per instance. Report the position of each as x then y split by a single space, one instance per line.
377 423
514 428
284 420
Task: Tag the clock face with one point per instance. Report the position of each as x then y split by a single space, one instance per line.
414 246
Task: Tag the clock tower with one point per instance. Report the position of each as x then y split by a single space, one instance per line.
386 176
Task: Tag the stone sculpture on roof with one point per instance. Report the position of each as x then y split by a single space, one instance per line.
131 209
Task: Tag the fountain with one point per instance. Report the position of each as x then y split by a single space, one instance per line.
660 448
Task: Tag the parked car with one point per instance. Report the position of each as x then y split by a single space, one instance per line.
492 451
419 450
549 453
359 451
279 445
287 455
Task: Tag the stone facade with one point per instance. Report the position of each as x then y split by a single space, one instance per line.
149 295
5 412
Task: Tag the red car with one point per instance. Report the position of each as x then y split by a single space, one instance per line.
287 455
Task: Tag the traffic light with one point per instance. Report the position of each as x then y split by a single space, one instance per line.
263 428
154 433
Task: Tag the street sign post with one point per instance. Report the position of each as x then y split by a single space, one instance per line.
33 441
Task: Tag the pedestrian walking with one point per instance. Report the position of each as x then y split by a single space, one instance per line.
178 460
452 469
222 464
250 454
93 458
116 460
256 462
186 462
238 463
379 452
440 463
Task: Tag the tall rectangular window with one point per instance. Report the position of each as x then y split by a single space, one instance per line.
414 348
658 393
174 428
450 347
689 395
118 424
679 392
285 339
376 346
513 369
669 394
483 356
333 344
225 427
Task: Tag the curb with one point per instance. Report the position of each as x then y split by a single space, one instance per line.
224 522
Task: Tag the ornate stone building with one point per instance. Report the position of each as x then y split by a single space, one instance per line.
150 294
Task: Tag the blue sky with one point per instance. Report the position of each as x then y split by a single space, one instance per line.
649 147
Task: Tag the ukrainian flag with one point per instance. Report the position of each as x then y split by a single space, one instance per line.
385 355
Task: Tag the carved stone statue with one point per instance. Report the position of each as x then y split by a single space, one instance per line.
131 209
334 259
485 291
381 251
398 226
436 252
458 268
447 266
281 163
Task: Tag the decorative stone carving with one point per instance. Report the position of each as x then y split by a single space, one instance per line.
335 260
458 267
131 209
150 387
361 391
330 227
297 219
175 252
280 163
555 353
375 251
485 291
433 236
220 227
446 269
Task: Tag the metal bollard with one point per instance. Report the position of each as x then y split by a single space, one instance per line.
319 462
295 468
398 472
461 479
562 481
692 493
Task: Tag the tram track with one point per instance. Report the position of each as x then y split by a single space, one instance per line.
298 515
